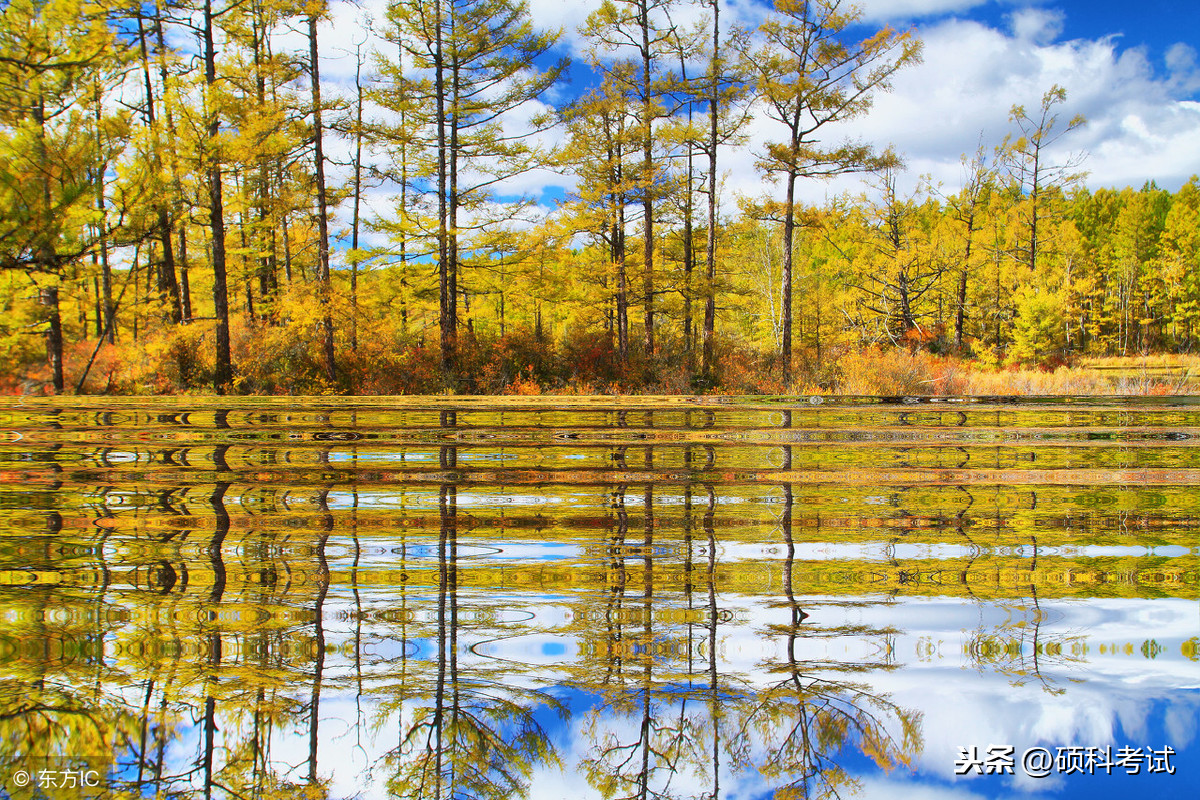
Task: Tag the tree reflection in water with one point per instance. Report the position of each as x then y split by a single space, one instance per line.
662 734
469 734
448 600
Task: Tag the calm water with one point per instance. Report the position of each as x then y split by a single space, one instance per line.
456 598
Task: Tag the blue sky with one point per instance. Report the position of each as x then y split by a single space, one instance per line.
1135 75
1153 23
1153 26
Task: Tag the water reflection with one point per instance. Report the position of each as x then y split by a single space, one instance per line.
467 599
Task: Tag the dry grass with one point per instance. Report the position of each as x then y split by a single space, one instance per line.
1061 381
899 372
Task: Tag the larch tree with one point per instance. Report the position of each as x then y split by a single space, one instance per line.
903 270
315 9
811 74
712 83
354 127
1179 260
474 64
406 147
167 280
643 27
725 86
967 208
269 120
167 154
1025 159
54 54
223 369
602 137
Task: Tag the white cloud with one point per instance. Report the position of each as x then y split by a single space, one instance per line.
1183 69
911 9
1138 127
1181 58
1037 25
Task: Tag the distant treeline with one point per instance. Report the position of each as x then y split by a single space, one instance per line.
167 183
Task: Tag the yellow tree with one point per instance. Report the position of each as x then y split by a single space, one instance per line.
643 27
1026 160
602 137
1179 262
723 87
268 130
967 209
223 372
53 56
472 64
811 74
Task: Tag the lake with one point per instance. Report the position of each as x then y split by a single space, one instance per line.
596 597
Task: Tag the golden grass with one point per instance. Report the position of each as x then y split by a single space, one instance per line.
899 372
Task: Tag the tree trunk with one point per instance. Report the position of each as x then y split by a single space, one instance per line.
960 312
54 338
358 119
789 227
622 285
185 286
710 240
647 182
322 209
447 308
267 282
175 274
223 372
96 298
167 283
452 197
689 264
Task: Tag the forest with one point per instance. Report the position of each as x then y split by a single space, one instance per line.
185 206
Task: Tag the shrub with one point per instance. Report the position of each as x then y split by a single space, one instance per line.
895 371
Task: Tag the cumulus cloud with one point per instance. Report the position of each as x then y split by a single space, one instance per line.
1140 126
